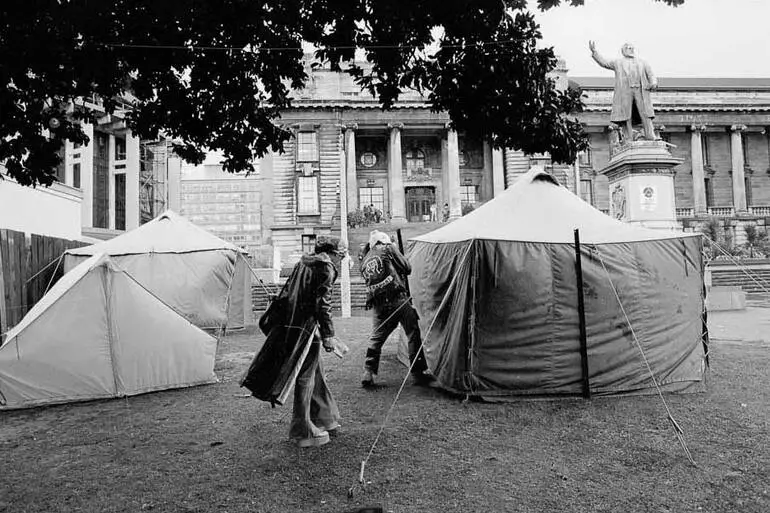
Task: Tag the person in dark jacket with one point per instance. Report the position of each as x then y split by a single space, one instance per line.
385 272
290 323
316 414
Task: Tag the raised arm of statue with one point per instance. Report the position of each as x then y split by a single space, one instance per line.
601 61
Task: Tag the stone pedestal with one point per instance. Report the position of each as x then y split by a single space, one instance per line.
641 180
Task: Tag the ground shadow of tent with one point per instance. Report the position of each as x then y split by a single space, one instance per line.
203 277
498 298
99 334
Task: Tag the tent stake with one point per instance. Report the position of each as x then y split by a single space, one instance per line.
582 317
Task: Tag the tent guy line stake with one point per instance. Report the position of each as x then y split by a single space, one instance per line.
677 429
403 383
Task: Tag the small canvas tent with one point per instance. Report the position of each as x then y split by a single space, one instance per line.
99 334
501 283
203 277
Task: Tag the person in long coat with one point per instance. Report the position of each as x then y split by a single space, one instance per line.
631 102
298 323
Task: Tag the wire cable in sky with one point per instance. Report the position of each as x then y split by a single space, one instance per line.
249 49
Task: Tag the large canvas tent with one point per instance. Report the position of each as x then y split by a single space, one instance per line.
498 298
203 277
99 334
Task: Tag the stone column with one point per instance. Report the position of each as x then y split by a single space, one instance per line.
739 183
453 174
87 177
395 174
111 203
350 165
698 174
498 171
133 166
345 164
487 189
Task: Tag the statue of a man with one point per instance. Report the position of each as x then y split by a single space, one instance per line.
634 80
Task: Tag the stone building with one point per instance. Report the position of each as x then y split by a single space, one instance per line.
113 183
403 160
226 204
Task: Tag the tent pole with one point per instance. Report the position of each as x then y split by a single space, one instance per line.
401 249
582 317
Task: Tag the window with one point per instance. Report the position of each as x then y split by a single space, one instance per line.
307 147
76 175
705 148
120 202
59 171
372 196
709 192
120 148
468 194
747 184
415 159
101 182
584 157
745 145
307 195
587 191
308 243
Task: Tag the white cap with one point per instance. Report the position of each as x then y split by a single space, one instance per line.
376 236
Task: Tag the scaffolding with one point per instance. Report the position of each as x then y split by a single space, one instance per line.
153 179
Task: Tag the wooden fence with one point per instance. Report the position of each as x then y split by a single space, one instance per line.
29 265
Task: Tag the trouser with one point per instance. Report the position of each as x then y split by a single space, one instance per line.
315 409
384 321
647 126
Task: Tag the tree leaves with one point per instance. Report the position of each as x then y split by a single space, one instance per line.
216 74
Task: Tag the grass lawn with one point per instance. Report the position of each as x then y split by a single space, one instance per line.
215 449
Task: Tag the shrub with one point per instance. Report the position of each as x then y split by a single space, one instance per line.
757 244
357 218
467 208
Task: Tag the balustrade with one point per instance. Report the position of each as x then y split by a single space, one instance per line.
721 211
760 210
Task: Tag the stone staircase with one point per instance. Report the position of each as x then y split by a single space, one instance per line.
751 280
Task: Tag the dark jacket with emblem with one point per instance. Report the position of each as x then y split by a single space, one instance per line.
397 267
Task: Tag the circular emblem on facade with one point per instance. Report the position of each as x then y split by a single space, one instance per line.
649 198
368 159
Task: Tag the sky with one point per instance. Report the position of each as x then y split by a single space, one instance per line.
702 38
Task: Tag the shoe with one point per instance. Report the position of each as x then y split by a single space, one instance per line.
335 431
367 380
318 440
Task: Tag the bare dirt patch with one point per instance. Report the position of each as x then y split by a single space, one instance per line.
214 449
